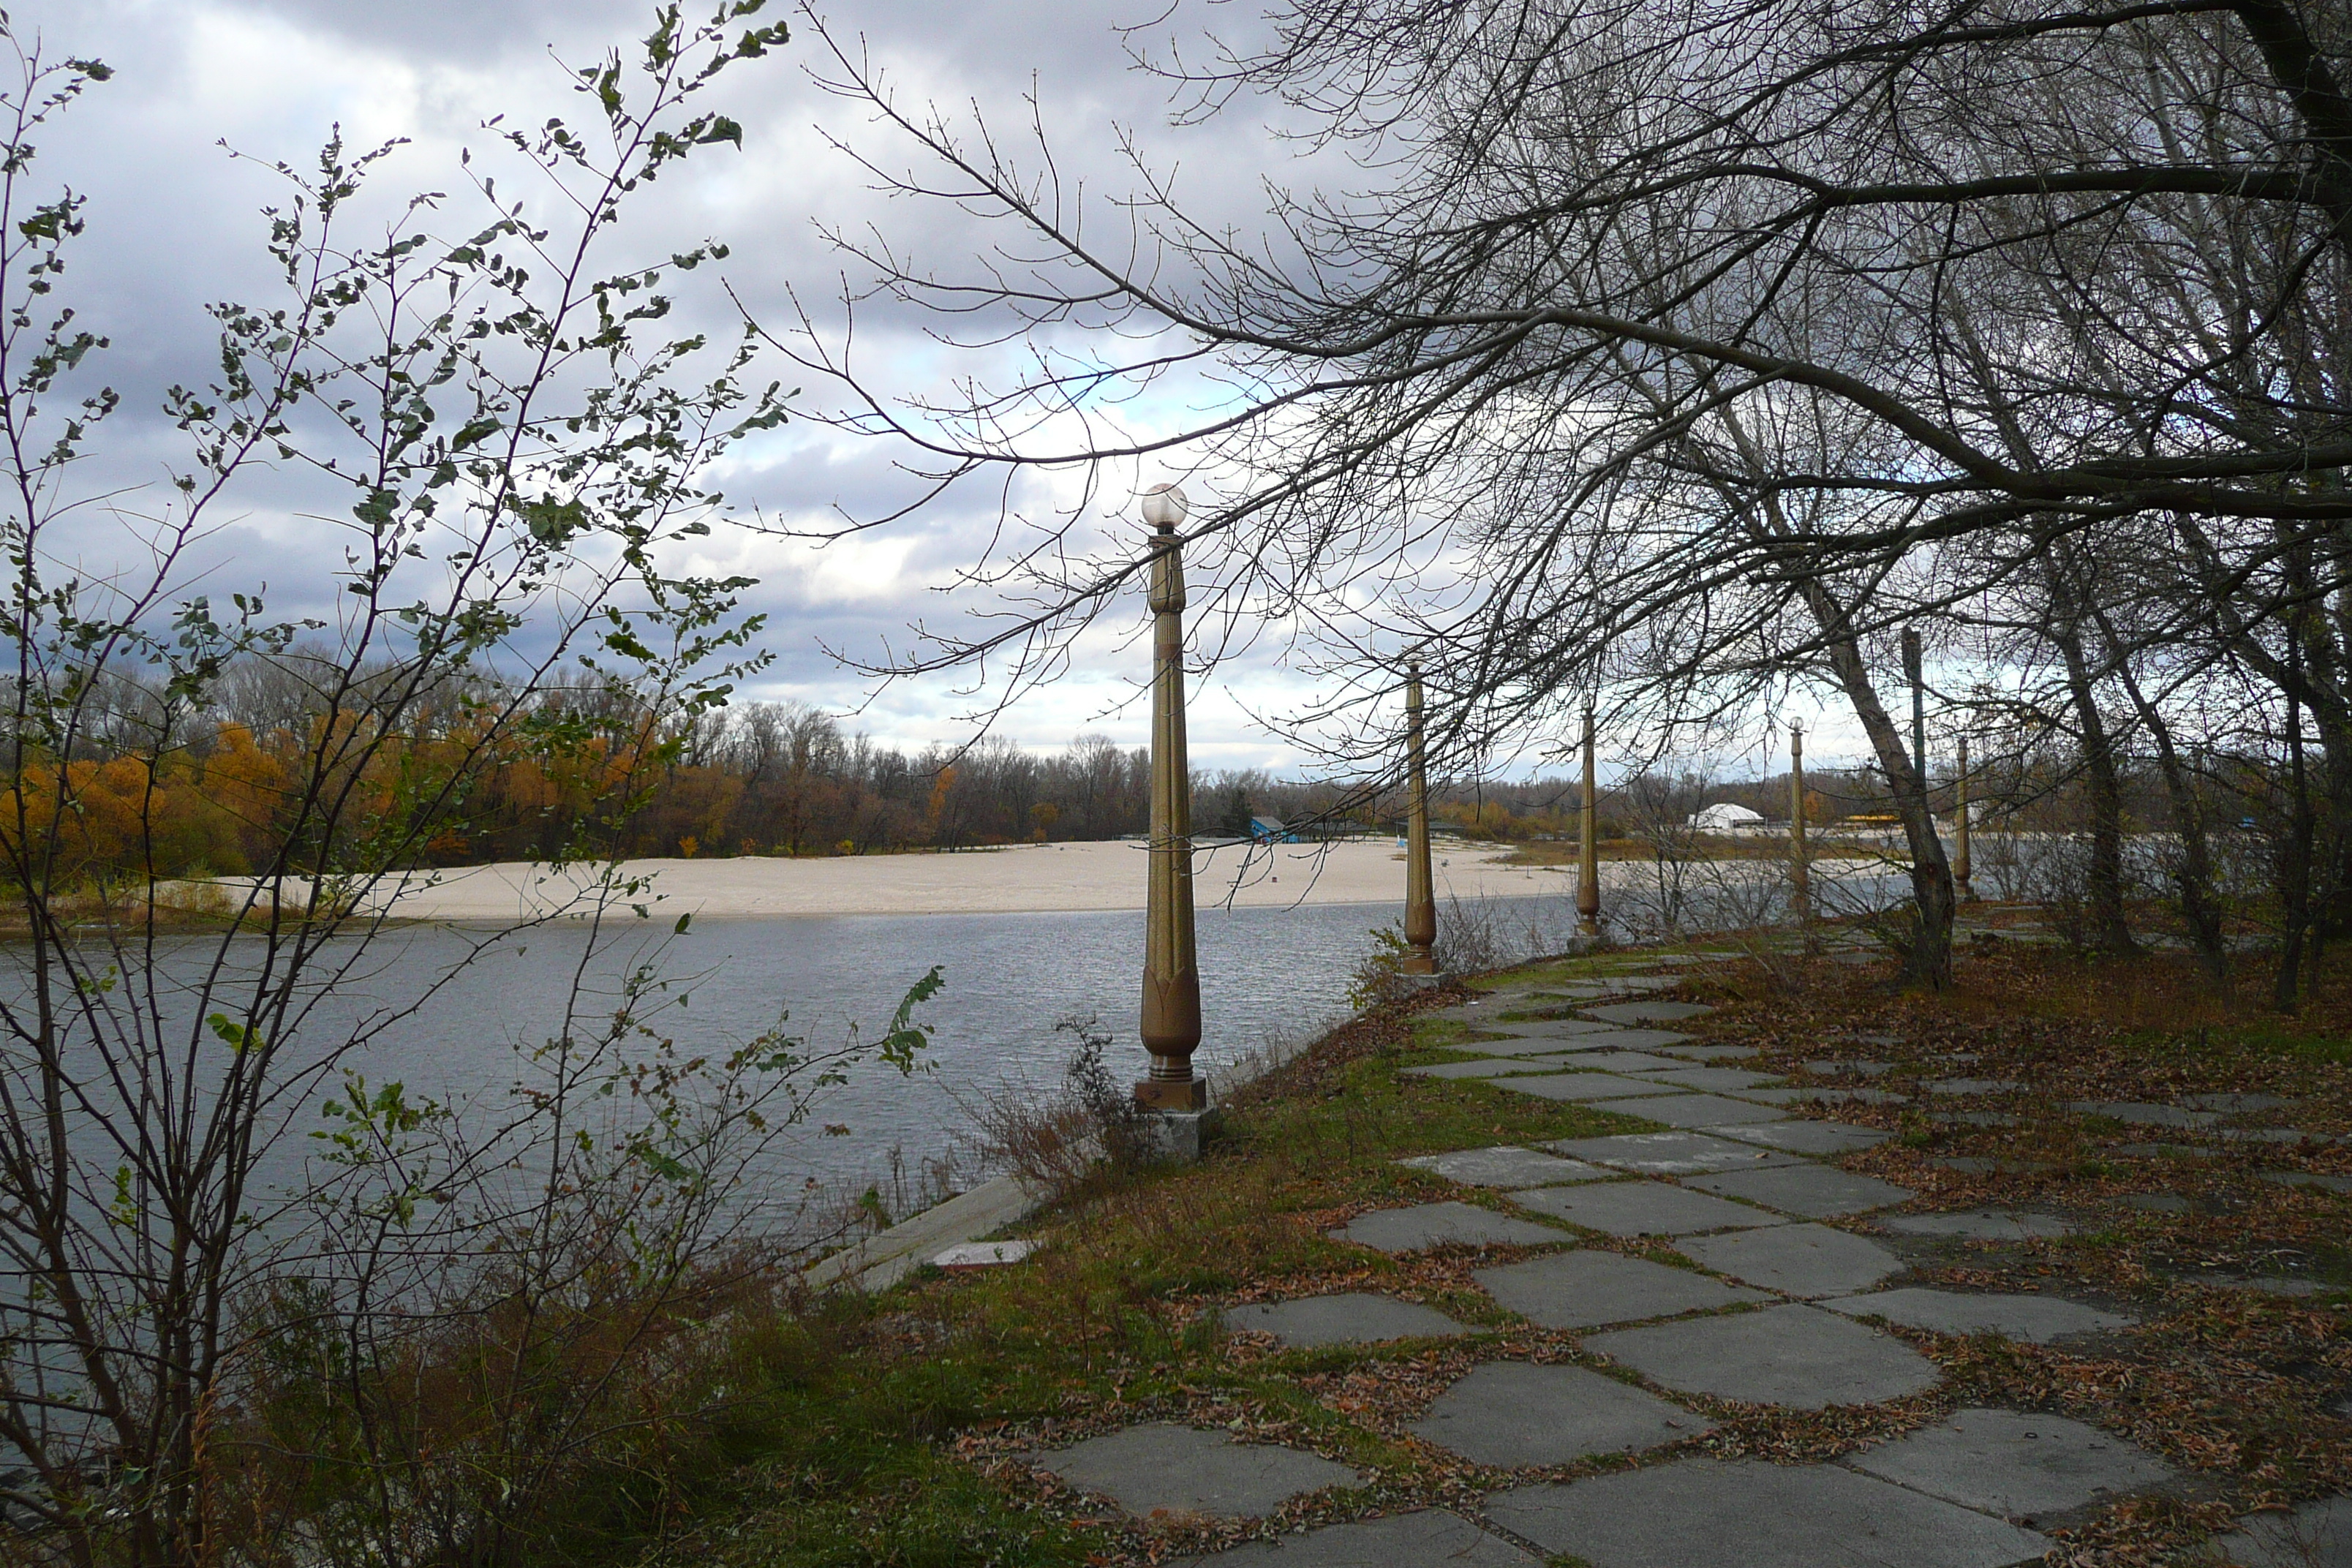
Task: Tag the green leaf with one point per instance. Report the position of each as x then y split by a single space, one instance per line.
242 1036
476 429
905 1037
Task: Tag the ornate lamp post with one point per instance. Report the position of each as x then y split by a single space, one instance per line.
1915 672
1961 823
1588 850
1800 874
1171 975
1420 886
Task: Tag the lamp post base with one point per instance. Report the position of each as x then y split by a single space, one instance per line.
1179 1136
1172 1094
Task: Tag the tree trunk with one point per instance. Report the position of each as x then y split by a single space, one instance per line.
1929 962
2294 867
2193 873
1934 899
2110 931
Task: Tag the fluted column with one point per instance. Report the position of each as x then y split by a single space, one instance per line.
1801 871
1172 976
1419 885
1587 853
1961 823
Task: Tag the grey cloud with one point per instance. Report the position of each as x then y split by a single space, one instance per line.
174 224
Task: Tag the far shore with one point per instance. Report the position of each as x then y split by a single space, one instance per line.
1027 878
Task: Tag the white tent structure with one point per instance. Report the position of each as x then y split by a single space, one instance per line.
1726 818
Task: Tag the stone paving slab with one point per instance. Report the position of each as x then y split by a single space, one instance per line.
1436 1225
2036 1319
2261 1283
2236 1104
1710 1513
1644 1208
2142 1114
1967 1086
1550 1028
1710 1078
1401 1541
1648 1012
1510 1414
1493 1003
1578 1086
1670 1153
1587 1288
1980 1225
1797 1259
2157 1203
1833 1096
1710 1053
1629 1040
1506 1166
1816 1191
1792 1355
1639 1063
2309 1179
2317 1535
1528 1045
1809 1137
1484 1066
1350 1318
1845 1067
2022 1467
1167 1468
1700 1110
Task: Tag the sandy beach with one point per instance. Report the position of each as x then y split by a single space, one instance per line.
1026 879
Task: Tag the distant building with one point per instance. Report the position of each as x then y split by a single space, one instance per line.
1726 818
1267 831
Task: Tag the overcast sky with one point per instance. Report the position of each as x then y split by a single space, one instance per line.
174 224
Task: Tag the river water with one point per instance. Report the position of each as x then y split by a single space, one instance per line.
1266 974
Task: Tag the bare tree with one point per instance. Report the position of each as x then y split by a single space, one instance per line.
1593 239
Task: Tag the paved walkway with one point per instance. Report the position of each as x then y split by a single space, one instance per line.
1748 1297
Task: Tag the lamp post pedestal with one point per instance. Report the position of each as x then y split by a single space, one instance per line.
1180 1135
1174 1095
